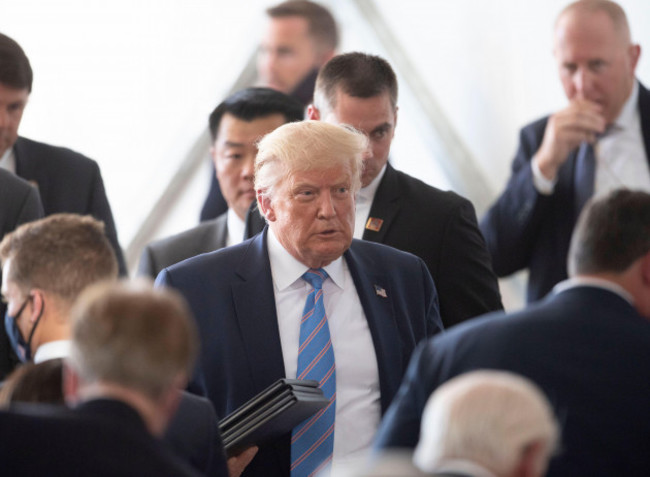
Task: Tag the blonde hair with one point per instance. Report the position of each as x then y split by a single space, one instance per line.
306 146
134 336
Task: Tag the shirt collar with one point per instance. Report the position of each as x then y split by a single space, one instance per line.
367 194
52 350
626 118
583 281
8 160
286 270
235 227
461 466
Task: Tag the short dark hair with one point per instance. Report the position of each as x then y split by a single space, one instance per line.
358 75
252 103
15 70
322 26
611 234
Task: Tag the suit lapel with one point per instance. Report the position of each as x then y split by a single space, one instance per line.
385 205
371 287
255 309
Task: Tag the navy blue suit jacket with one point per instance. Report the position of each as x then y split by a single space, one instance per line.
589 351
526 229
99 438
67 182
193 434
230 292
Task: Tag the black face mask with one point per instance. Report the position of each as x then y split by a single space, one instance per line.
22 348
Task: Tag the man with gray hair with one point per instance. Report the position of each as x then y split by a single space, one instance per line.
487 423
586 345
304 300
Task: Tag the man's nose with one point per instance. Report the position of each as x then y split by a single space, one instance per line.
583 83
248 168
326 205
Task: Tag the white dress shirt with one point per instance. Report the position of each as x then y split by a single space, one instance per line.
620 155
235 227
8 160
365 196
52 350
458 466
358 409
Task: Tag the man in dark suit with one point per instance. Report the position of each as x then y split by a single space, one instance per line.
235 126
396 209
371 304
67 181
598 142
123 405
586 345
299 37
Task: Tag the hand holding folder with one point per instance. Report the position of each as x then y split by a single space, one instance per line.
270 414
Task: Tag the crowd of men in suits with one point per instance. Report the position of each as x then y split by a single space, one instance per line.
325 262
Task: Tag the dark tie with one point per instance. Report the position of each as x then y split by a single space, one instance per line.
312 442
585 175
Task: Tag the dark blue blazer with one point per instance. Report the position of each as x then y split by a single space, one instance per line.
526 229
67 182
99 438
193 434
19 203
589 351
230 292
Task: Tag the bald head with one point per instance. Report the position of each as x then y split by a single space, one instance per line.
595 57
583 9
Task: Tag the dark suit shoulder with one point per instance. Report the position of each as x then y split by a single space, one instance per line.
225 260
205 237
421 192
369 252
40 155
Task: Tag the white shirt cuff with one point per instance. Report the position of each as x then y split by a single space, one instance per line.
542 184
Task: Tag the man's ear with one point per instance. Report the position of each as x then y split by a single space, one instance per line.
37 304
264 204
313 112
71 384
532 460
645 269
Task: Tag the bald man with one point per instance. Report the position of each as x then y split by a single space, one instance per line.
598 142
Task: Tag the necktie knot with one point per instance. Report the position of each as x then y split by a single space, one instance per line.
315 277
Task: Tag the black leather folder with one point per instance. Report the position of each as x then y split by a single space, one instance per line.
271 413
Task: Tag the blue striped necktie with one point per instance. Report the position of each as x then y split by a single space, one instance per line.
312 441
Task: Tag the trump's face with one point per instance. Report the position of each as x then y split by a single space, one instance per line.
312 214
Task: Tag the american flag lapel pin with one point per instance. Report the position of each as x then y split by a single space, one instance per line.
380 291
374 224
